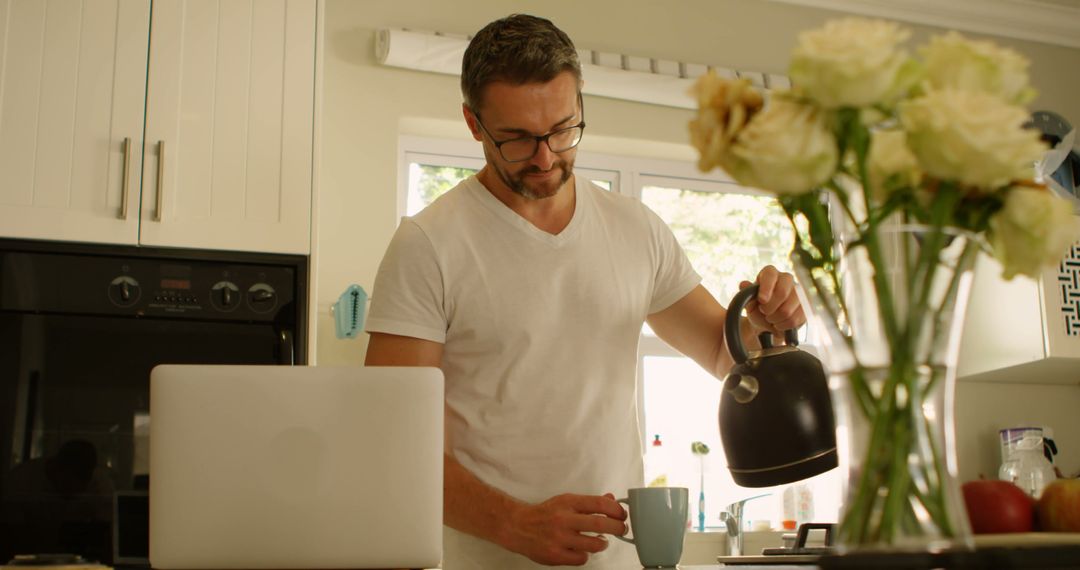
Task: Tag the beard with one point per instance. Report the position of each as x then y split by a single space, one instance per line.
519 184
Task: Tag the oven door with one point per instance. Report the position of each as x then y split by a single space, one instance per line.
74 423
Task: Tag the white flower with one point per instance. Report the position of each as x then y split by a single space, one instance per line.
724 108
785 149
1032 231
971 138
953 61
853 62
891 161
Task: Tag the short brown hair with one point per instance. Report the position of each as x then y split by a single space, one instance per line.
517 49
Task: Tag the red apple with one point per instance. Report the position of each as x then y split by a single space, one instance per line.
1059 506
997 507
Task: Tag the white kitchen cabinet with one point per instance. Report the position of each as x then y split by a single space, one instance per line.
219 116
72 88
1023 330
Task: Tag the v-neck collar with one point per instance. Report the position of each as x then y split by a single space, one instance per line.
508 215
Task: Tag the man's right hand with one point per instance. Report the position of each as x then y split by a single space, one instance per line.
551 532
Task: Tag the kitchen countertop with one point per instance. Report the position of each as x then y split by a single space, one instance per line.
988 558
748 567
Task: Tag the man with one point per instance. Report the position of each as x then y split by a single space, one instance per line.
529 287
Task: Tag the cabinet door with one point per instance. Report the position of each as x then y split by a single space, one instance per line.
230 103
72 90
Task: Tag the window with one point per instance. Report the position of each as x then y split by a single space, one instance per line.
429 181
729 233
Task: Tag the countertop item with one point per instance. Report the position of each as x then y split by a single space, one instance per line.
998 552
769 560
53 562
1056 557
773 566
1022 539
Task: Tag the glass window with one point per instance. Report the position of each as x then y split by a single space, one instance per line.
728 237
428 181
729 234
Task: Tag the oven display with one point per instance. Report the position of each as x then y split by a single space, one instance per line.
181 284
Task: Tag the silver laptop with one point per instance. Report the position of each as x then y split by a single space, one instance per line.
295 467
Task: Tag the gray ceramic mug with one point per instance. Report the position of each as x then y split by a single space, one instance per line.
658 524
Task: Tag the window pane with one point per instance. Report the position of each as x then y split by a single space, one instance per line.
728 237
427 182
681 406
605 184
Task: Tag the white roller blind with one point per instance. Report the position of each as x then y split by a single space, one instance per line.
633 78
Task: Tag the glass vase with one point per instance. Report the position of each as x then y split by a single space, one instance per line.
889 305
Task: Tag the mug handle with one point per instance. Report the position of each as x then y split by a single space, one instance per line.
629 530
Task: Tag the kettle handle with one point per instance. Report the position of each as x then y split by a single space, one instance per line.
731 326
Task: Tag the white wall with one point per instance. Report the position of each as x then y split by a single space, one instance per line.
982 408
366 107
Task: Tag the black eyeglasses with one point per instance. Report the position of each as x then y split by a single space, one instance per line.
524 148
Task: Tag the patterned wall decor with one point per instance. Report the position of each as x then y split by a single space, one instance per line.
1069 279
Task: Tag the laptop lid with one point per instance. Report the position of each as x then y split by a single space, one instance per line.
295 467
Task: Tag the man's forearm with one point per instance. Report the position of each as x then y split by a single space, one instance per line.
474 507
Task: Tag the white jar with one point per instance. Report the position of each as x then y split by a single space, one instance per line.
1024 462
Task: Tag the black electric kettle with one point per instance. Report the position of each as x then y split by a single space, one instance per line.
776 418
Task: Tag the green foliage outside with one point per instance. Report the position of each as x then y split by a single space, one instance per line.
437 180
728 237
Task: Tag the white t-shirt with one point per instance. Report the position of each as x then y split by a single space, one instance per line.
540 337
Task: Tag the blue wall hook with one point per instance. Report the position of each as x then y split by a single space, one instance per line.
349 312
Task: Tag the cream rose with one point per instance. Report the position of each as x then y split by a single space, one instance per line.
890 159
724 108
970 137
785 149
1032 231
953 61
853 62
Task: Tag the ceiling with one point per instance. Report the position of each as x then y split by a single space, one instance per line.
1055 22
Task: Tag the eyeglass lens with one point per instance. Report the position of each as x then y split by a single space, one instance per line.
525 148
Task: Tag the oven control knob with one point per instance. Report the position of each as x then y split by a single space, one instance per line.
225 296
124 291
262 298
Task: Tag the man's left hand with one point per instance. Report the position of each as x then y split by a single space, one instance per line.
776 307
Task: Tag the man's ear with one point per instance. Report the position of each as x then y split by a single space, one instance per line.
470 120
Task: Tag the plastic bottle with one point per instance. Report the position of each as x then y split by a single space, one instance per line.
789 521
798 506
804 503
1026 464
656 464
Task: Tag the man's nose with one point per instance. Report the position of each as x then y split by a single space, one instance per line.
544 158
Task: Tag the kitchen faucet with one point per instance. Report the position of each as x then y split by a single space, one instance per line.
732 517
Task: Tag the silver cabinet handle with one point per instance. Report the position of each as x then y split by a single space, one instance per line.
126 184
160 181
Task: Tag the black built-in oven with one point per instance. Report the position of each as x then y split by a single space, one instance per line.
80 328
